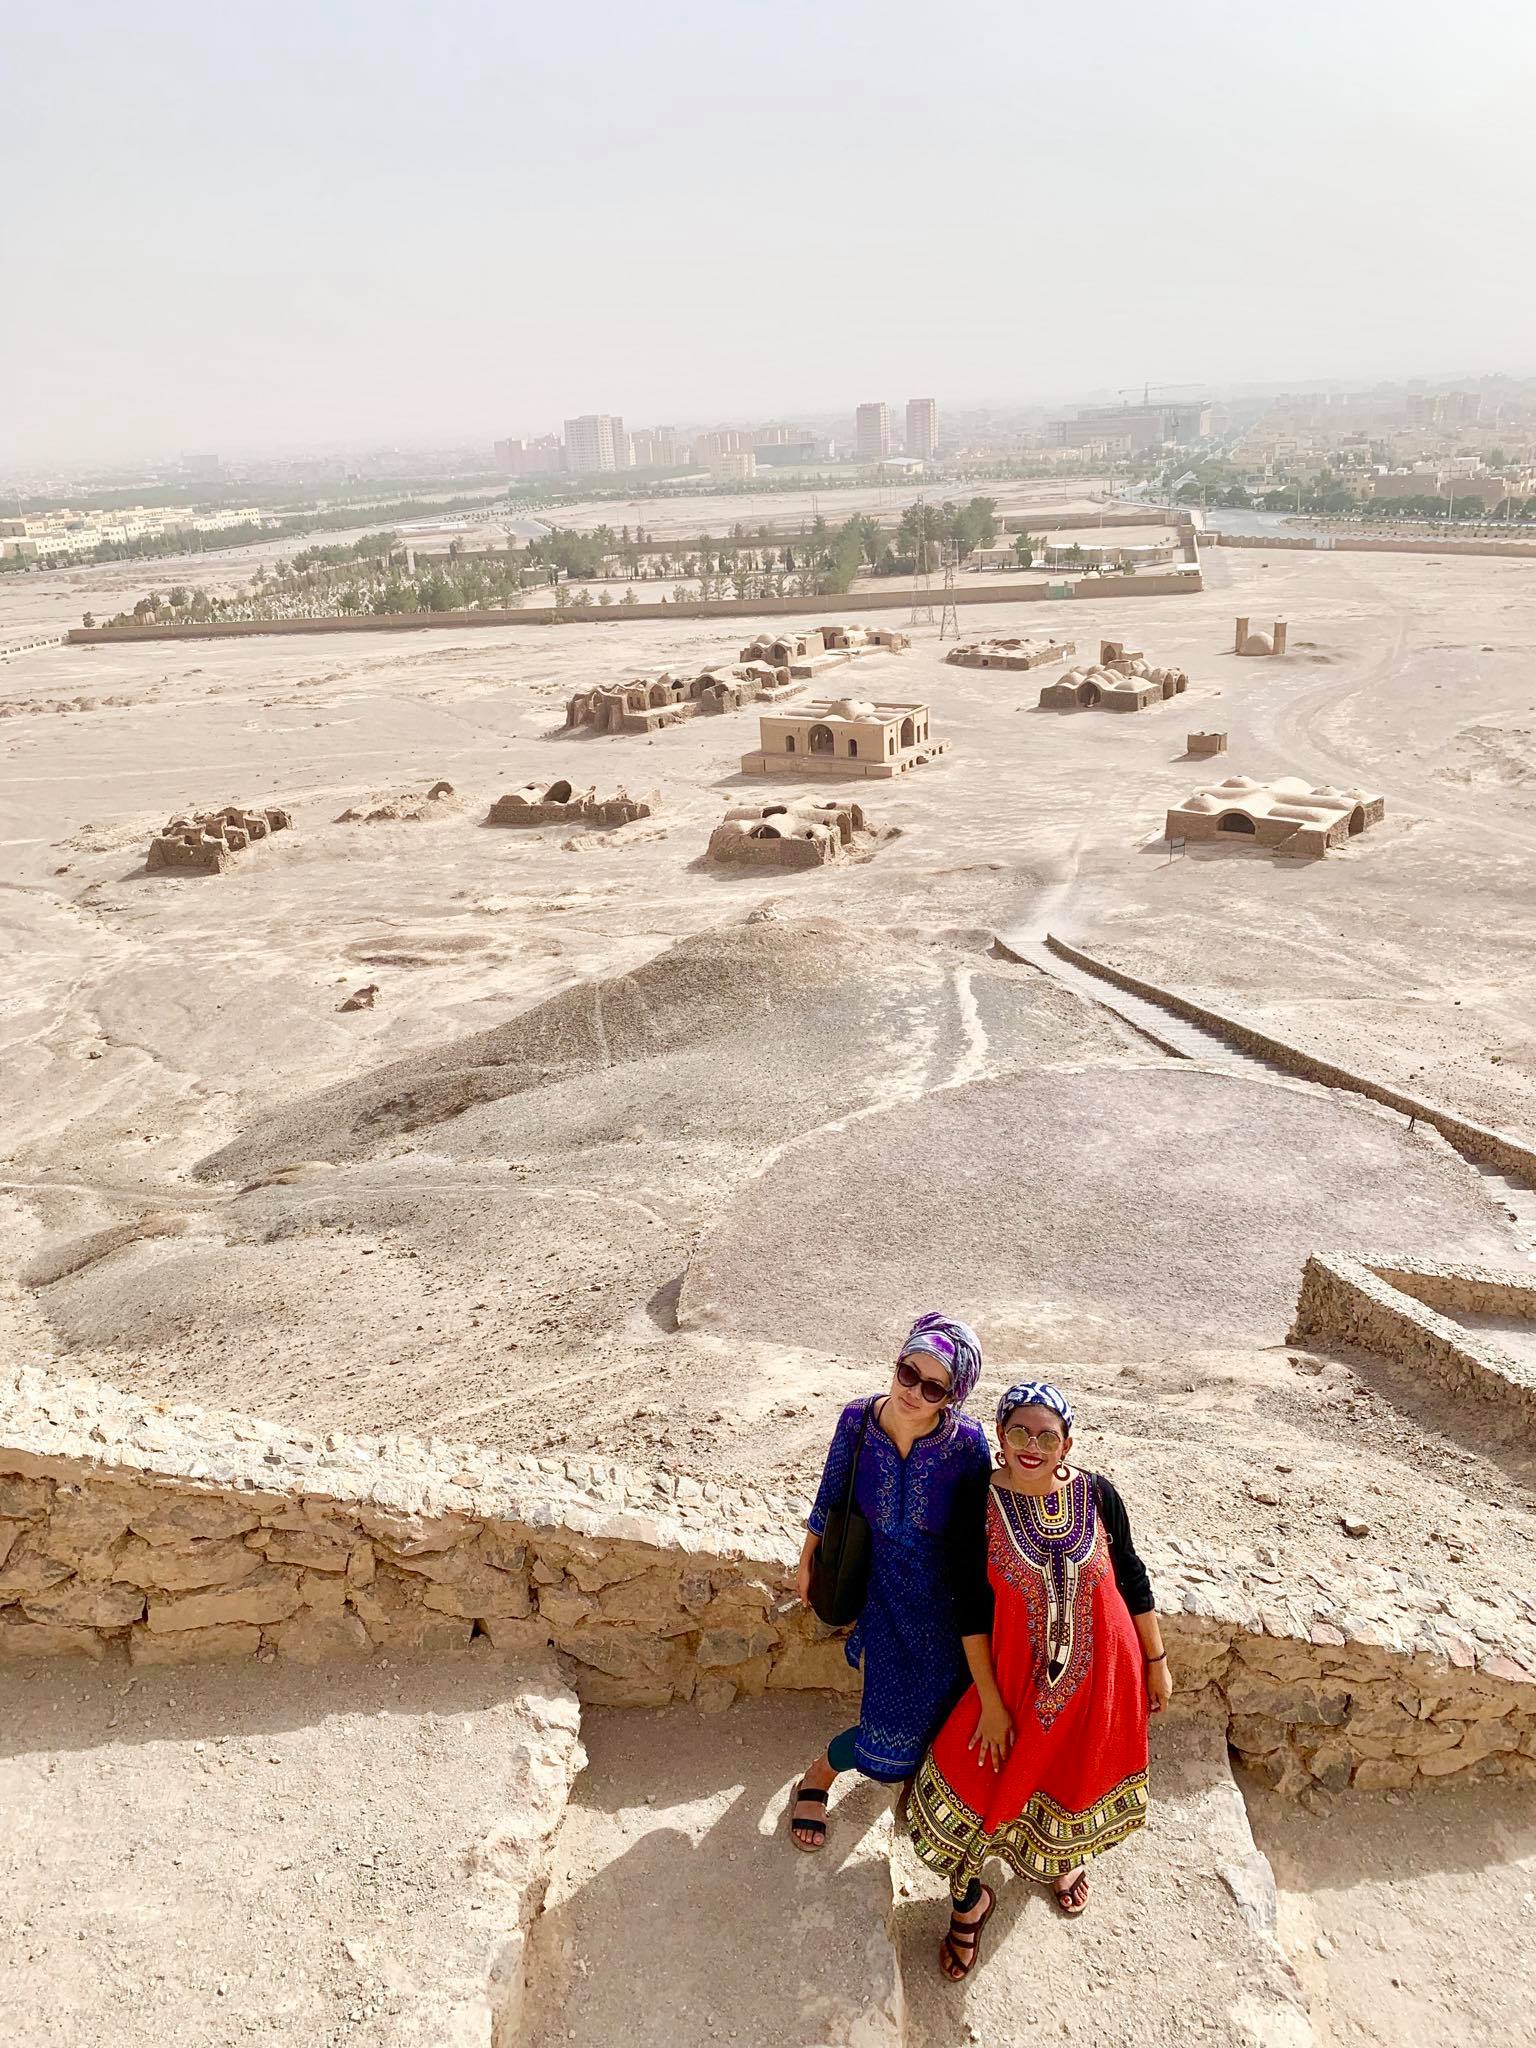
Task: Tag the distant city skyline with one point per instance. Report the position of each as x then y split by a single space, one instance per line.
350 232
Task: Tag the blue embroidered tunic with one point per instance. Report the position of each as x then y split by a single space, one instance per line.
919 1509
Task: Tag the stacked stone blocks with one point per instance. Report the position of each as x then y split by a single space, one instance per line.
177 1536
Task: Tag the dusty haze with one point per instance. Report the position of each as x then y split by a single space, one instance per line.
345 224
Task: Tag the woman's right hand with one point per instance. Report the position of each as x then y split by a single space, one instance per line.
994 1733
803 1575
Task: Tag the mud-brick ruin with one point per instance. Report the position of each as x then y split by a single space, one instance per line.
1206 743
843 736
1011 653
822 647
771 668
1272 642
1287 815
1121 679
802 833
404 806
208 841
560 804
648 706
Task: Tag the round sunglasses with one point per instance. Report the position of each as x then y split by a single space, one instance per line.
932 1391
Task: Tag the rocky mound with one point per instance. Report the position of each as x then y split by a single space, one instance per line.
1103 1213
718 984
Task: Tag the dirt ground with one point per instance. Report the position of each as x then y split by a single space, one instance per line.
600 1075
1410 1921
637 1156
266 1854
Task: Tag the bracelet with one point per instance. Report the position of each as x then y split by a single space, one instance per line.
1160 1658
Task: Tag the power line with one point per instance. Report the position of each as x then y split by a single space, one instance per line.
922 583
949 618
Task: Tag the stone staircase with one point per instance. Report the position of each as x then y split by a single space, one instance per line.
678 1914
1171 1034
1183 1039
1178 1945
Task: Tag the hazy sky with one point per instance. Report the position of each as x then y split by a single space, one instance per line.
335 223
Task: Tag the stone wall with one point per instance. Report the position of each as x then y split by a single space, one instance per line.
1378 544
1474 1141
547 615
1389 1307
172 1535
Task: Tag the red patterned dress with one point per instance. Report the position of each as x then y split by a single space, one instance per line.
1063 1578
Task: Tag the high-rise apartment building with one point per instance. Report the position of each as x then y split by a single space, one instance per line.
596 441
872 432
922 428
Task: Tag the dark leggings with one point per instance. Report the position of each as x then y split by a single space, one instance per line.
841 1750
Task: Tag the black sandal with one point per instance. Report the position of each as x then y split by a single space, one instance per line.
956 1964
817 1796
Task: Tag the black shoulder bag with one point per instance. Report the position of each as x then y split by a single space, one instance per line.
840 1568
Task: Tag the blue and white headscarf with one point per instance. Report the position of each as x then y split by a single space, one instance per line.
1036 1394
952 1343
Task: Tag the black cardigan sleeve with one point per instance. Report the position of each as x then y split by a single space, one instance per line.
967 1544
1130 1572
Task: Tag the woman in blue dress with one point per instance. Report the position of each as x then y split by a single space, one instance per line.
922 1481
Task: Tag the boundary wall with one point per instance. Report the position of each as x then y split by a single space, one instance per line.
1497 1149
1389 1307
1113 588
1361 544
169 1534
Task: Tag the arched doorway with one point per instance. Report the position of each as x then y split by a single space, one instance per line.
908 733
821 739
789 743
853 750
1356 820
1236 821
1088 694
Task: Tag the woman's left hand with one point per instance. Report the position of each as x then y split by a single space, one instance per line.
1159 1685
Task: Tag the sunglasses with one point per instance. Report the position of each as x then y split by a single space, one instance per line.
932 1391
1021 1439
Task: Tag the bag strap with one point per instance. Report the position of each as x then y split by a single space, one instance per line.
858 1452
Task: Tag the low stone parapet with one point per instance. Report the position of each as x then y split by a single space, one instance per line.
175 1535
1391 1307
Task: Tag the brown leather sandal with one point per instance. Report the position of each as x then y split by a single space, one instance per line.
816 1797
1074 1900
956 1962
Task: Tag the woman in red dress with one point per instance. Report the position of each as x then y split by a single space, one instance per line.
1043 1763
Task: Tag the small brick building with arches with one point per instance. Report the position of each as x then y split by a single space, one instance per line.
843 736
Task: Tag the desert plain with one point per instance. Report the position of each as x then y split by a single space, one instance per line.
631 1156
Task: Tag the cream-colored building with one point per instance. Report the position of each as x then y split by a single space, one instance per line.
843 736
1287 815
1011 653
1272 642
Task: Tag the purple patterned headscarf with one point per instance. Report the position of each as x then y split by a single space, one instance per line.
952 1343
